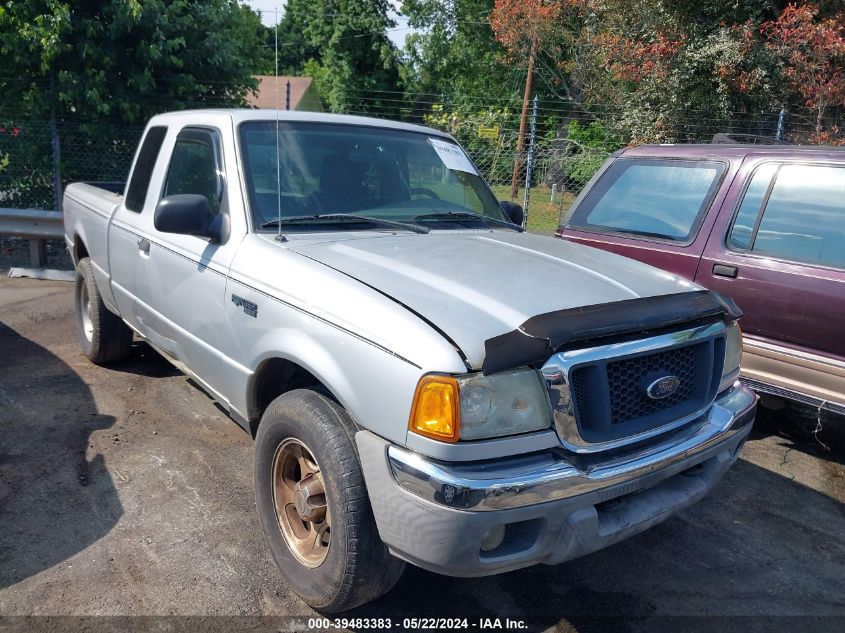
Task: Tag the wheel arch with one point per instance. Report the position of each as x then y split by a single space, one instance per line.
80 249
276 375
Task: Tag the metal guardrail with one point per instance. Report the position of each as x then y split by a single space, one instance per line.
36 225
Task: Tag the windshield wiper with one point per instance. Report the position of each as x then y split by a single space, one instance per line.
468 215
319 217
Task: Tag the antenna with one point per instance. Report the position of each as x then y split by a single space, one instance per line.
279 236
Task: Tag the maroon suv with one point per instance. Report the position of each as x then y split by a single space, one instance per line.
762 224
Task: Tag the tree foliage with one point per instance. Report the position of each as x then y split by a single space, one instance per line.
453 50
813 54
344 45
125 59
723 64
522 24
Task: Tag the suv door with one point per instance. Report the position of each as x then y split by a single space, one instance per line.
781 255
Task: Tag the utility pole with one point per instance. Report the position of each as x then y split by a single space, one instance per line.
523 119
529 168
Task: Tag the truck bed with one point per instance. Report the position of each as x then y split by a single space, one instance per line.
88 208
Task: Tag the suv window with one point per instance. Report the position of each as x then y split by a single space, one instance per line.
654 197
803 219
749 210
195 166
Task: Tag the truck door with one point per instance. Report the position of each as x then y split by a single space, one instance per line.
128 246
781 255
188 273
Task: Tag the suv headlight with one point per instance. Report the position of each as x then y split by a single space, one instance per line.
733 356
476 406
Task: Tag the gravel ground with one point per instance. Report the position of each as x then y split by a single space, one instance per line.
126 492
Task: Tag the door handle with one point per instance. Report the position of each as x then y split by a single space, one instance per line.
144 245
723 270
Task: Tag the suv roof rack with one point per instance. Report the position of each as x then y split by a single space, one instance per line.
751 139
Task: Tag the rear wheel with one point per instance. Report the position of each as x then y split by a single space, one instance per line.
103 336
313 504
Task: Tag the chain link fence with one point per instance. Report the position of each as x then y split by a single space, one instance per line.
38 158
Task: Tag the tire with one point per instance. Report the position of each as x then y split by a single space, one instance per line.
103 336
356 566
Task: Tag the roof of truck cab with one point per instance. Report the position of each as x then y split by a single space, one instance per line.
242 115
719 150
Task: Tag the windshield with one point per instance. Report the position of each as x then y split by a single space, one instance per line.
333 169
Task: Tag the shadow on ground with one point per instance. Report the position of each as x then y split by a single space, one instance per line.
56 496
145 361
803 428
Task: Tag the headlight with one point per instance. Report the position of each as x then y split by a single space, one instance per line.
733 356
475 406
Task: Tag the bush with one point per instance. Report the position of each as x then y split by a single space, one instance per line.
590 145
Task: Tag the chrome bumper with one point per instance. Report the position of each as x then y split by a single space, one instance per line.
537 479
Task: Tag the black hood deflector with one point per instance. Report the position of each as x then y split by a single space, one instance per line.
546 334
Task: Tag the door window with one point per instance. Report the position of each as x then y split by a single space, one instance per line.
749 210
195 166
803 218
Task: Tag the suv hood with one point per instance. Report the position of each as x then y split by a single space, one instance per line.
476 285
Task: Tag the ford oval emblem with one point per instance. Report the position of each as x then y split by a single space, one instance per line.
663 387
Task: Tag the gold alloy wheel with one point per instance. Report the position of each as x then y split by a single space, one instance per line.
299 494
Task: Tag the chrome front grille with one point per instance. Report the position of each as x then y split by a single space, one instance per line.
607 396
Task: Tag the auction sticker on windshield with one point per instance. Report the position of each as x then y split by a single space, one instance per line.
452 156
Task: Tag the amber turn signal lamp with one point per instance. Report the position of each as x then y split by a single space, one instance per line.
435 412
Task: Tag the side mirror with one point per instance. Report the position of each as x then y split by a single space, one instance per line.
186 214
513 211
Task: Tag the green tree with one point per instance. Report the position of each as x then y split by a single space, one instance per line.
675 70
126 59
85 76
344 45
454 50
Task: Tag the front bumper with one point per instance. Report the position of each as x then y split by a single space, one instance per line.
554 507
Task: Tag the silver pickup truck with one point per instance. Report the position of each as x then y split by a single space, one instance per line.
425 381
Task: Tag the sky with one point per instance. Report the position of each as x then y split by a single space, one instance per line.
268 17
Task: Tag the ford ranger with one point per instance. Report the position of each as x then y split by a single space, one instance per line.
426 382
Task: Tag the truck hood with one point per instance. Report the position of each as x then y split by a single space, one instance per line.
472 286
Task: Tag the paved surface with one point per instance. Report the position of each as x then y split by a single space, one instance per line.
125 491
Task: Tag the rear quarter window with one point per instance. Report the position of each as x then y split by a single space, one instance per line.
662 198
136 192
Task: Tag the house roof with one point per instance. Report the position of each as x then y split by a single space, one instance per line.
265 97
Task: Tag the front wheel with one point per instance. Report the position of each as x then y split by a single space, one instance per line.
313 504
